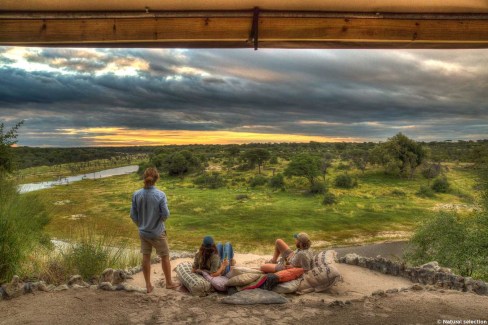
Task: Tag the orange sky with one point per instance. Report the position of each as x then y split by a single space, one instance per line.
141 137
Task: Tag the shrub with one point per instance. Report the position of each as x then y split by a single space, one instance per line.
22 220
212 181
425 191
90 254
318 188
432 171
277 182
273 160
345 181
258 180
329 199
241 197
397 192
454 242
441 185
342 166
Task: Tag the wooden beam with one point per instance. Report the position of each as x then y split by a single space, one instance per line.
275 31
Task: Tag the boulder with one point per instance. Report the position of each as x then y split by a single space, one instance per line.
255 296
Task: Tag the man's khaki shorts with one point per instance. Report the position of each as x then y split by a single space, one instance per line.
160 244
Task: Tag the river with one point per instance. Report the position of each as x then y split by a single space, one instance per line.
24 188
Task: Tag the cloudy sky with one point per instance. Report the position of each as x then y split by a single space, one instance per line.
99 97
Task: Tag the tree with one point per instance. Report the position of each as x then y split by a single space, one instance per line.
180 163
257 156
304 166
359 158
400 155
325 164
7 140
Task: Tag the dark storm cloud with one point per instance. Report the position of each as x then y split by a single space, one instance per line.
362 94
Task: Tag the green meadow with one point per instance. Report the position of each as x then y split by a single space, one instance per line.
380 208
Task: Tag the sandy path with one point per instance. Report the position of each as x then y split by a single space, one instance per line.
86 306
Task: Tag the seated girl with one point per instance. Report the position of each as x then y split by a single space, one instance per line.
213 259
302 257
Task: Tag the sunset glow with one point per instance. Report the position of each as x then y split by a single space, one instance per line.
126 137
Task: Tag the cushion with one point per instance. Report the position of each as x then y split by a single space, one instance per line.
324 258
289 274
218 282
319 279
243 279
238 270
288 287
195 283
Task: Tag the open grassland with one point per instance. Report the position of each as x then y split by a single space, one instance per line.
382 207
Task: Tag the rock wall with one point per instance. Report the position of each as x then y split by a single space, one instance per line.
427 274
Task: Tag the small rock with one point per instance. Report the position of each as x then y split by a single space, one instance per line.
352 259
336 303
77 286
106 286
395 290
107 276
120 276
431 266
76 279
93 287
61 287
380 293
417 287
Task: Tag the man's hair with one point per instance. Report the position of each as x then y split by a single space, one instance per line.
150 176
304 245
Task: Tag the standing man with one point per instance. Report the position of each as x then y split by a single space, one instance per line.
149 212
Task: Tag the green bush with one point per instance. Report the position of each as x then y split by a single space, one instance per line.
345 181
212 181
457 243
318 188
22 220
90 254
329 198
441 185
342 166
432 171
258 180
425 191
277 182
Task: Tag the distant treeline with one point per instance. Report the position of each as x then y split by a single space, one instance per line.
446 151
31 157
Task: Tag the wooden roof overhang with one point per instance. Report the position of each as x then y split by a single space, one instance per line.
237 27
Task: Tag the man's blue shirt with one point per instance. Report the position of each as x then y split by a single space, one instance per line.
149 211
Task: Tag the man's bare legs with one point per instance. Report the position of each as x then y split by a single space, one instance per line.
166 265
280 248
146 270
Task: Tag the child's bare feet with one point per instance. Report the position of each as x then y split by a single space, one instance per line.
149 288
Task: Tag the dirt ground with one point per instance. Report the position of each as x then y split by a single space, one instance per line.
349 302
